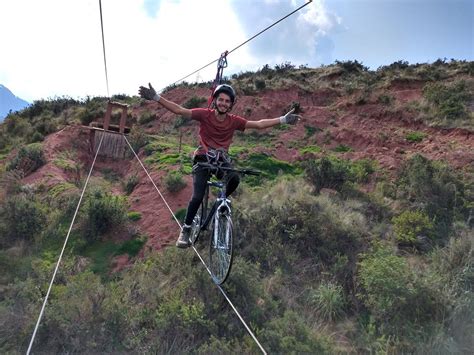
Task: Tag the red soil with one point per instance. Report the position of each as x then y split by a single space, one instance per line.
371 130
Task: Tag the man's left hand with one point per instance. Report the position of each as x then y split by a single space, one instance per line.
290 118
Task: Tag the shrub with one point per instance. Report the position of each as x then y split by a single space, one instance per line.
260 84
28 159
138 138
328 299
194 102
435 189
146 117
335 173
174 181
102 212
327 172
409 226
23 218
130 183
350 66
134 216
415 137
388 284
449 100
131 247
289 334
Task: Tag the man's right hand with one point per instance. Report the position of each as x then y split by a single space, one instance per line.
148 93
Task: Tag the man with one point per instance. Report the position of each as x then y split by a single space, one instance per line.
217 127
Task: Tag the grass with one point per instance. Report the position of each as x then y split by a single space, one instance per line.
415 137
310 149
102 252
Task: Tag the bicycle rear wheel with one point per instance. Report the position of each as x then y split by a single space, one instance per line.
221 249
196 226
199 219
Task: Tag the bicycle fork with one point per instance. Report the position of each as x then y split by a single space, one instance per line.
223 211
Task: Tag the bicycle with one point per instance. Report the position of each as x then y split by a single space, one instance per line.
219 219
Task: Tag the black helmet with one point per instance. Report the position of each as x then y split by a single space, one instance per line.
226 89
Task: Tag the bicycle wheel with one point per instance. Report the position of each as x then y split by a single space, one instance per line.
199 219
221 249
196 226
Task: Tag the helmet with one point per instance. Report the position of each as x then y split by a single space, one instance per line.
226 89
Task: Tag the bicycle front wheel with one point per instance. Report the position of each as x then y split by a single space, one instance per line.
221 249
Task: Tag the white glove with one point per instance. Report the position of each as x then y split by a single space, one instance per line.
290 118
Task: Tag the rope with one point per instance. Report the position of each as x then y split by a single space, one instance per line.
62 251
197 253
162 197
243 43
103 48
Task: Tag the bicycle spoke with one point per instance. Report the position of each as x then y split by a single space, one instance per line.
221 249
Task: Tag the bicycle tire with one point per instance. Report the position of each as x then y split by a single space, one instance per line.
199 219
196 226
221 249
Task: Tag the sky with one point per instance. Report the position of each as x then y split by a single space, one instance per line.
54 48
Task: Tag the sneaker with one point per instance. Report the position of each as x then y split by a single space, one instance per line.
183 240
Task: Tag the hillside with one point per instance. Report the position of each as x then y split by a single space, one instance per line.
359 233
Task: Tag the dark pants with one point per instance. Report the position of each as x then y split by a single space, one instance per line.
200 178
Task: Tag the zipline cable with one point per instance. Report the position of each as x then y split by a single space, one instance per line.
62 251
243 43
200 258
103 48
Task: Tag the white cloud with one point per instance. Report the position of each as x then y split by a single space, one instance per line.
54 47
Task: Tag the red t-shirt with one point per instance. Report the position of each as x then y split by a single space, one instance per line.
213 133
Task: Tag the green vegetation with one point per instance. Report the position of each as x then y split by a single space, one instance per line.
321 265
174 181
415 137
338 174
410 225
28 159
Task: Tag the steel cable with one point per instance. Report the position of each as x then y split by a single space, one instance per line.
197 253
62 251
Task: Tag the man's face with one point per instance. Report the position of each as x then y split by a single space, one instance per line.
223 103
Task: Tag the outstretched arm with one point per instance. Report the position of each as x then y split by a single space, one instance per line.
150 94
289 118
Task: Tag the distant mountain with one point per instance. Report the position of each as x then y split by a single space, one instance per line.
8 101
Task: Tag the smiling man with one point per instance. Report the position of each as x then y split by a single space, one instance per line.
217 127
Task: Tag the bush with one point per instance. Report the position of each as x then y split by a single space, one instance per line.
410 226
415 137
289 334
328 299
435 189
138 138
102 212
134 216
23 218
388 284
449 100
174 181
327 172
286 223
146 117
194 102
28 159
130 183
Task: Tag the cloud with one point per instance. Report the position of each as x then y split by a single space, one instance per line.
54 47
303 38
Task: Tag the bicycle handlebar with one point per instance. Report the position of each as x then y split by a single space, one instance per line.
240 171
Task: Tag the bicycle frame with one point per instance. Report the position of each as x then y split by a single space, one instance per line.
219 217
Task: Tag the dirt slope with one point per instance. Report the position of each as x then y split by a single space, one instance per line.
371 129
